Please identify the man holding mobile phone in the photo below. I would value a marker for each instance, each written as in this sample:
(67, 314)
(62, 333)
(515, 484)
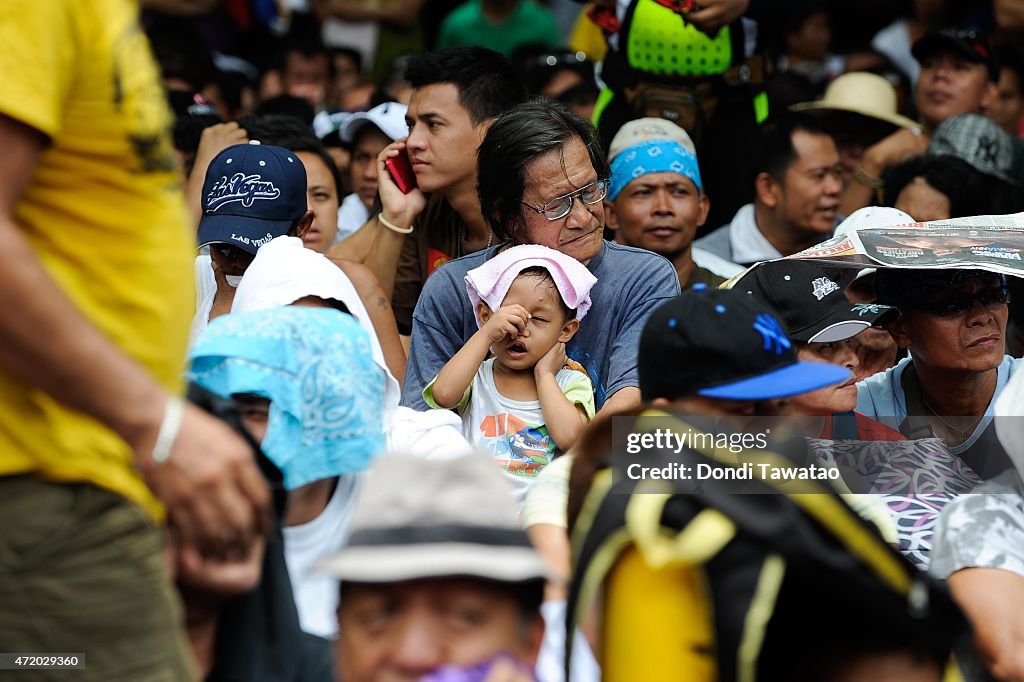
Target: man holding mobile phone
(457, 94)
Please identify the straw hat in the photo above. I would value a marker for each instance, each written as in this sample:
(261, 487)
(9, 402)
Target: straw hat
(861, 93)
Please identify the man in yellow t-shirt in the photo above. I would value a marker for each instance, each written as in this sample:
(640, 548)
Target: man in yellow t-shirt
(95, 268)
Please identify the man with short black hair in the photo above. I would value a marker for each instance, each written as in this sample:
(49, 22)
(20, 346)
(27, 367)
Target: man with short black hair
(958, 76)
(457, 94)
(1007, 107)
(954, 326)
(796, 194)
(307, 70)
(366, 134)
(656, 199)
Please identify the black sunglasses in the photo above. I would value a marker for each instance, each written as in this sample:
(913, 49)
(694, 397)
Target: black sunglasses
(958, 305)
(231, 252)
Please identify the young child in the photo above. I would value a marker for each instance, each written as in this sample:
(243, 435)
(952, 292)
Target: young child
(523, 405)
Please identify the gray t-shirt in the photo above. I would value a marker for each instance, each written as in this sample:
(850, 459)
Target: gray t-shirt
(983, 529)
(631, 283)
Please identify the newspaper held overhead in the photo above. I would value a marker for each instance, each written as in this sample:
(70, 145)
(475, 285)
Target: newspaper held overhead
(994, 243)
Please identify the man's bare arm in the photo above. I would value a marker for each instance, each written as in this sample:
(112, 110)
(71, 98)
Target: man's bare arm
(378, 307)
(211, 485)
(993, 600)
(374, 245)
(624, 401)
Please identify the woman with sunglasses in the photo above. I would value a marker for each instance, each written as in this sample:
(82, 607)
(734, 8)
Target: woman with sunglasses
(954, 326)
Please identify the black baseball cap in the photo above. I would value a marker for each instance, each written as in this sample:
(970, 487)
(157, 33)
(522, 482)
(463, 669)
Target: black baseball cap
(969, 43)
(812, 305)
(724, 344)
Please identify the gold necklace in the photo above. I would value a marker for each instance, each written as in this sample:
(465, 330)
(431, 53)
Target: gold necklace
(964, 432)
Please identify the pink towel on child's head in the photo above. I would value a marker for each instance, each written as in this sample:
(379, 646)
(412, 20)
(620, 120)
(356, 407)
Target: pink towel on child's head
(491, 281)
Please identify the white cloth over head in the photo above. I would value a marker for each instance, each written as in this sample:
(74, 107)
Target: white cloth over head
(491, 281)
(284, 271)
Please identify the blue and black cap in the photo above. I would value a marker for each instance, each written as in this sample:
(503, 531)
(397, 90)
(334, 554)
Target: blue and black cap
(724, 344)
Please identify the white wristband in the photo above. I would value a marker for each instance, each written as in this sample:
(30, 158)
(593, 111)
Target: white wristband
(391, 226)
(174, 412)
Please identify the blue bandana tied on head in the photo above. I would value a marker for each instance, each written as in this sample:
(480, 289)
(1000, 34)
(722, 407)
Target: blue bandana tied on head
(654, 156)
(316, 368)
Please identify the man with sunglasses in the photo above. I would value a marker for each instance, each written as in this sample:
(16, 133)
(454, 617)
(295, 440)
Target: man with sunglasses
(954, 325)
(541, 180)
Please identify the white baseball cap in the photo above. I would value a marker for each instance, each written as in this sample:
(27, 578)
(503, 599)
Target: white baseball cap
(388, 117)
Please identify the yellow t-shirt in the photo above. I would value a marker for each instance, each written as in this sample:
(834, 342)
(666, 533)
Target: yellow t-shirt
(104, 213)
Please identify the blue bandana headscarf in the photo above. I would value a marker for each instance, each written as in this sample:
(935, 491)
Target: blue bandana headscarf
(655, 156)
(316, 368)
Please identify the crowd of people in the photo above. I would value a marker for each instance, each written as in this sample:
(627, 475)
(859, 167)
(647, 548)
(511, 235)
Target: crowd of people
(446, 265)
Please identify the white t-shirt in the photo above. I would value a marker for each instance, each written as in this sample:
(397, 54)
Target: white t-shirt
(352, 215)
(550, 659)
(894, 42)
(513, 431)
(316, 596)
(206, 290)
(717, 265)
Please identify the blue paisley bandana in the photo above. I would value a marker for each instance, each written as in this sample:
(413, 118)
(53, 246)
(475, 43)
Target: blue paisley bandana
(656, 156)
(316, 368)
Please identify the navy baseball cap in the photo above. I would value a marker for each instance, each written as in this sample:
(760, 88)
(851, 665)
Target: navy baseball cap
(724, 344)
(252, 194)
(971, 44)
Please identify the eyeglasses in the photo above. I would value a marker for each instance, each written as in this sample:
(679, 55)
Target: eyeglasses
(559, 207)
(958, 305)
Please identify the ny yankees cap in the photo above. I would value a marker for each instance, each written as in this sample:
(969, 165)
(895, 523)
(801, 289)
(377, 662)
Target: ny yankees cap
(252, 193)
(812, 306)
(724, 344)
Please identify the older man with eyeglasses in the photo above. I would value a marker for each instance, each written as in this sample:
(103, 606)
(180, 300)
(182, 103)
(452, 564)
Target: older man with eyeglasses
(541, 180)
(954, 325)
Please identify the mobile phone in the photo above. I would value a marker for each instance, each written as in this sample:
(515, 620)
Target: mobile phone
(401, 171)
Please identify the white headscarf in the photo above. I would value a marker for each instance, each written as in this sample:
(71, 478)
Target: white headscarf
(284, 271)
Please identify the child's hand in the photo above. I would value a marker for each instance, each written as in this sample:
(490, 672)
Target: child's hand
(509, 320)
(552, 362)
